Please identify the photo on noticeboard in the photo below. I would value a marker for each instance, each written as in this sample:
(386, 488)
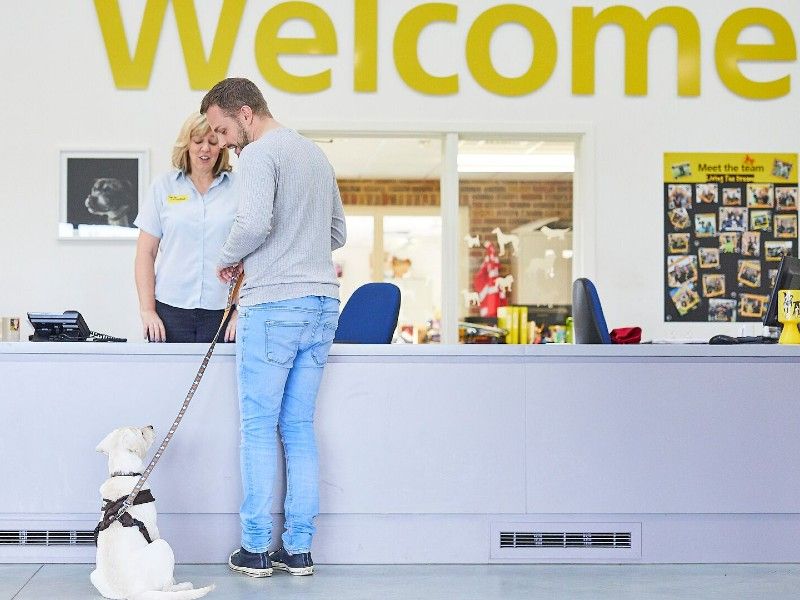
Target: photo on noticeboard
(752, 305)
(708, 258)
(707, 193)
(728, 243)
(726, 232)
(760, 196)
(732, 218)
(678, 243)
(685, 298)
(681, 269)
(713, 285)
(731, 196)
(751, 243)
(749, 273)
(679, 196)
(786, 198)
(722, 310)
(782, 169)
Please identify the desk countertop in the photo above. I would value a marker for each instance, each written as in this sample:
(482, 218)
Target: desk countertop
(417, 353)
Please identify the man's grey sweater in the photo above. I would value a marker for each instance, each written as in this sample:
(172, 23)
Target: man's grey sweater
(290, 218)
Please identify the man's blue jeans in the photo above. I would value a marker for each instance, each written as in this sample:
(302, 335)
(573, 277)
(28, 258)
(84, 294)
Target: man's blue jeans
(281, 350)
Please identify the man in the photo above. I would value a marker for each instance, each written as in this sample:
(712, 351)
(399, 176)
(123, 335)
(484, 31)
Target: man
(290, 218)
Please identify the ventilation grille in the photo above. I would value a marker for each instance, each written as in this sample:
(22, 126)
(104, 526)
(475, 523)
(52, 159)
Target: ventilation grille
(563, 539)
(27, 537)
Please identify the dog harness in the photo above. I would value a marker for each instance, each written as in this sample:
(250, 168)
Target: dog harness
(111, 510)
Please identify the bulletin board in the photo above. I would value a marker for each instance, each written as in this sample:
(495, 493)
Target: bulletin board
(728, 221)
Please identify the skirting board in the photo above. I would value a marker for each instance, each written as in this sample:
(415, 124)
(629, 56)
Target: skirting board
(454, 539)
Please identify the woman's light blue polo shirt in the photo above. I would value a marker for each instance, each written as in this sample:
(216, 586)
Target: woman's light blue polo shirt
(192, 229)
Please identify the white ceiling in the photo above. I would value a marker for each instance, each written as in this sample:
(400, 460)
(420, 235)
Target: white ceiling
(421, 158)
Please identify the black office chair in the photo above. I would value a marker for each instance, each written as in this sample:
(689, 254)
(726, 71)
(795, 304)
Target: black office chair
(587, 314)
(370, 315)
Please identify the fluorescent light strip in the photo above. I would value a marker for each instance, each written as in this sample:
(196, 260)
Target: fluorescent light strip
(516, 163)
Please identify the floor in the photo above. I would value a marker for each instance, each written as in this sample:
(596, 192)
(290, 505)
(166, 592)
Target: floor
(433, 582)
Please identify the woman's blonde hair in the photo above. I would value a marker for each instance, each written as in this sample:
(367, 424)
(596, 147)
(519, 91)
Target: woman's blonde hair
(196, 126)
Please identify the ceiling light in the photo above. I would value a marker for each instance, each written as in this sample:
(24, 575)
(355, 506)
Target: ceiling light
(516, 163)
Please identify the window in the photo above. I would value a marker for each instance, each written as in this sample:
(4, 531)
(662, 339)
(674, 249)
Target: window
(517, 237)
(514, 210)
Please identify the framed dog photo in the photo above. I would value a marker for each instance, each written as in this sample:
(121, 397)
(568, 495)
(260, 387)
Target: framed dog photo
(100, 193)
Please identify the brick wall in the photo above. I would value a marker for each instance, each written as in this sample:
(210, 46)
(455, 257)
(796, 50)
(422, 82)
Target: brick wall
(503, 204)
(509, 204)
(389, 192)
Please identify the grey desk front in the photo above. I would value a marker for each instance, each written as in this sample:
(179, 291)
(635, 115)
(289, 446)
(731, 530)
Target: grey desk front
(428, 453)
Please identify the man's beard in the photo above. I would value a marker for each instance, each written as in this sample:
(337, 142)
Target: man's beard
(242, 139)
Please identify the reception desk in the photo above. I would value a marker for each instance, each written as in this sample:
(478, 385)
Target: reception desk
(460, 454)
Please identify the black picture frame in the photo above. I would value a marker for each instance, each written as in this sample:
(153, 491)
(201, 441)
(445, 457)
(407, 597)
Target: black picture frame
(100, 193)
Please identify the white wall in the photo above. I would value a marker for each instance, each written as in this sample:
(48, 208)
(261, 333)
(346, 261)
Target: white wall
(57, 92)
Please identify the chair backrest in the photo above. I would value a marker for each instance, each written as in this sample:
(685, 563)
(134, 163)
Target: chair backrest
(370, 315)
(587, 314)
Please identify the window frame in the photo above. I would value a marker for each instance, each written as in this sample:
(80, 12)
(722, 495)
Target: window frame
(584, 211)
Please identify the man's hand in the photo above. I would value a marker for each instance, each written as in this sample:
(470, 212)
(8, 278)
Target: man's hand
(230, 330)
(225, 274)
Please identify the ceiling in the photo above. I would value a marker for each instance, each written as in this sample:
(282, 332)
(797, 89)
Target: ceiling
(421, 158)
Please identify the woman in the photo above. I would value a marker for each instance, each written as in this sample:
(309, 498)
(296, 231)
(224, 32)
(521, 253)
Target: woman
(187, 218)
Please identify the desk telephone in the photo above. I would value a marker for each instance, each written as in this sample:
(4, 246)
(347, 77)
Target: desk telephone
(68, 326)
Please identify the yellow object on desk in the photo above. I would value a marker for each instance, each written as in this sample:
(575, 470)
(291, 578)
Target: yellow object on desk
(789, 315)
(514, 319)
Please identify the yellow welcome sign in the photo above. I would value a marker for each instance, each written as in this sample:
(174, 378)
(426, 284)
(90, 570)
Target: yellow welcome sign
(132, 70)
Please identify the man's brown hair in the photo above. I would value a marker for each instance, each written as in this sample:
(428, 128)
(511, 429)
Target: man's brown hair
(232, 94)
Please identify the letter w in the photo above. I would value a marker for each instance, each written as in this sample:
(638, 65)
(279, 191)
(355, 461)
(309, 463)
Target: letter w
(133, 72)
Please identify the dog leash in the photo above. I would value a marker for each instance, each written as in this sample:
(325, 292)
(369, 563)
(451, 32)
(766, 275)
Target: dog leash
(233, 290)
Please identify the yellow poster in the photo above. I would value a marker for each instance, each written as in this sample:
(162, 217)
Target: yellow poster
(729, 219)
(682, 167)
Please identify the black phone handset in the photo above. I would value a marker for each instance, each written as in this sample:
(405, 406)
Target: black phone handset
(68, 326)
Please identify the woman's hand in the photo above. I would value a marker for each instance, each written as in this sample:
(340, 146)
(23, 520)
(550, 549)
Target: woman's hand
(230, 330)
(153, 326)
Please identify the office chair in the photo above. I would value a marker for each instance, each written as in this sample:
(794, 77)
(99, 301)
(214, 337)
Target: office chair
(587, 313)
(370, 315)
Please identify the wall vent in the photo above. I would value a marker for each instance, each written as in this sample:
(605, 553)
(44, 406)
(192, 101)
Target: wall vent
(552, 542)
(44, 537)
(565, 539)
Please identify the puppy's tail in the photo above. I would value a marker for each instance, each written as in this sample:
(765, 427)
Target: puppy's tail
(179, 595)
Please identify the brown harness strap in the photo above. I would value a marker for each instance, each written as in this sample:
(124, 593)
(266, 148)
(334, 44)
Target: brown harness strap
(111, 508)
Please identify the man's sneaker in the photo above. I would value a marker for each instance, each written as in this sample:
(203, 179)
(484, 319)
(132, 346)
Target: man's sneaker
(254, 564)
(296, 564)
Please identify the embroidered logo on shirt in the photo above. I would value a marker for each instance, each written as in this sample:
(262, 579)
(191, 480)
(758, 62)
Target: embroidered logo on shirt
(175, 198)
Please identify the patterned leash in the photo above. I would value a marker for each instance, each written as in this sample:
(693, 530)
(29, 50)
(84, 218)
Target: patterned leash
(233, 290)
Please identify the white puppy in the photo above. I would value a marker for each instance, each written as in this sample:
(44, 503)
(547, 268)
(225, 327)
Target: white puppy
(128, 567)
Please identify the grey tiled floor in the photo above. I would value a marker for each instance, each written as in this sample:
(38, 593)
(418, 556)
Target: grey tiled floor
(451, 582)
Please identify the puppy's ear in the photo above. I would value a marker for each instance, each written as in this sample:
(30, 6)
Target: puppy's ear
(107, 443)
